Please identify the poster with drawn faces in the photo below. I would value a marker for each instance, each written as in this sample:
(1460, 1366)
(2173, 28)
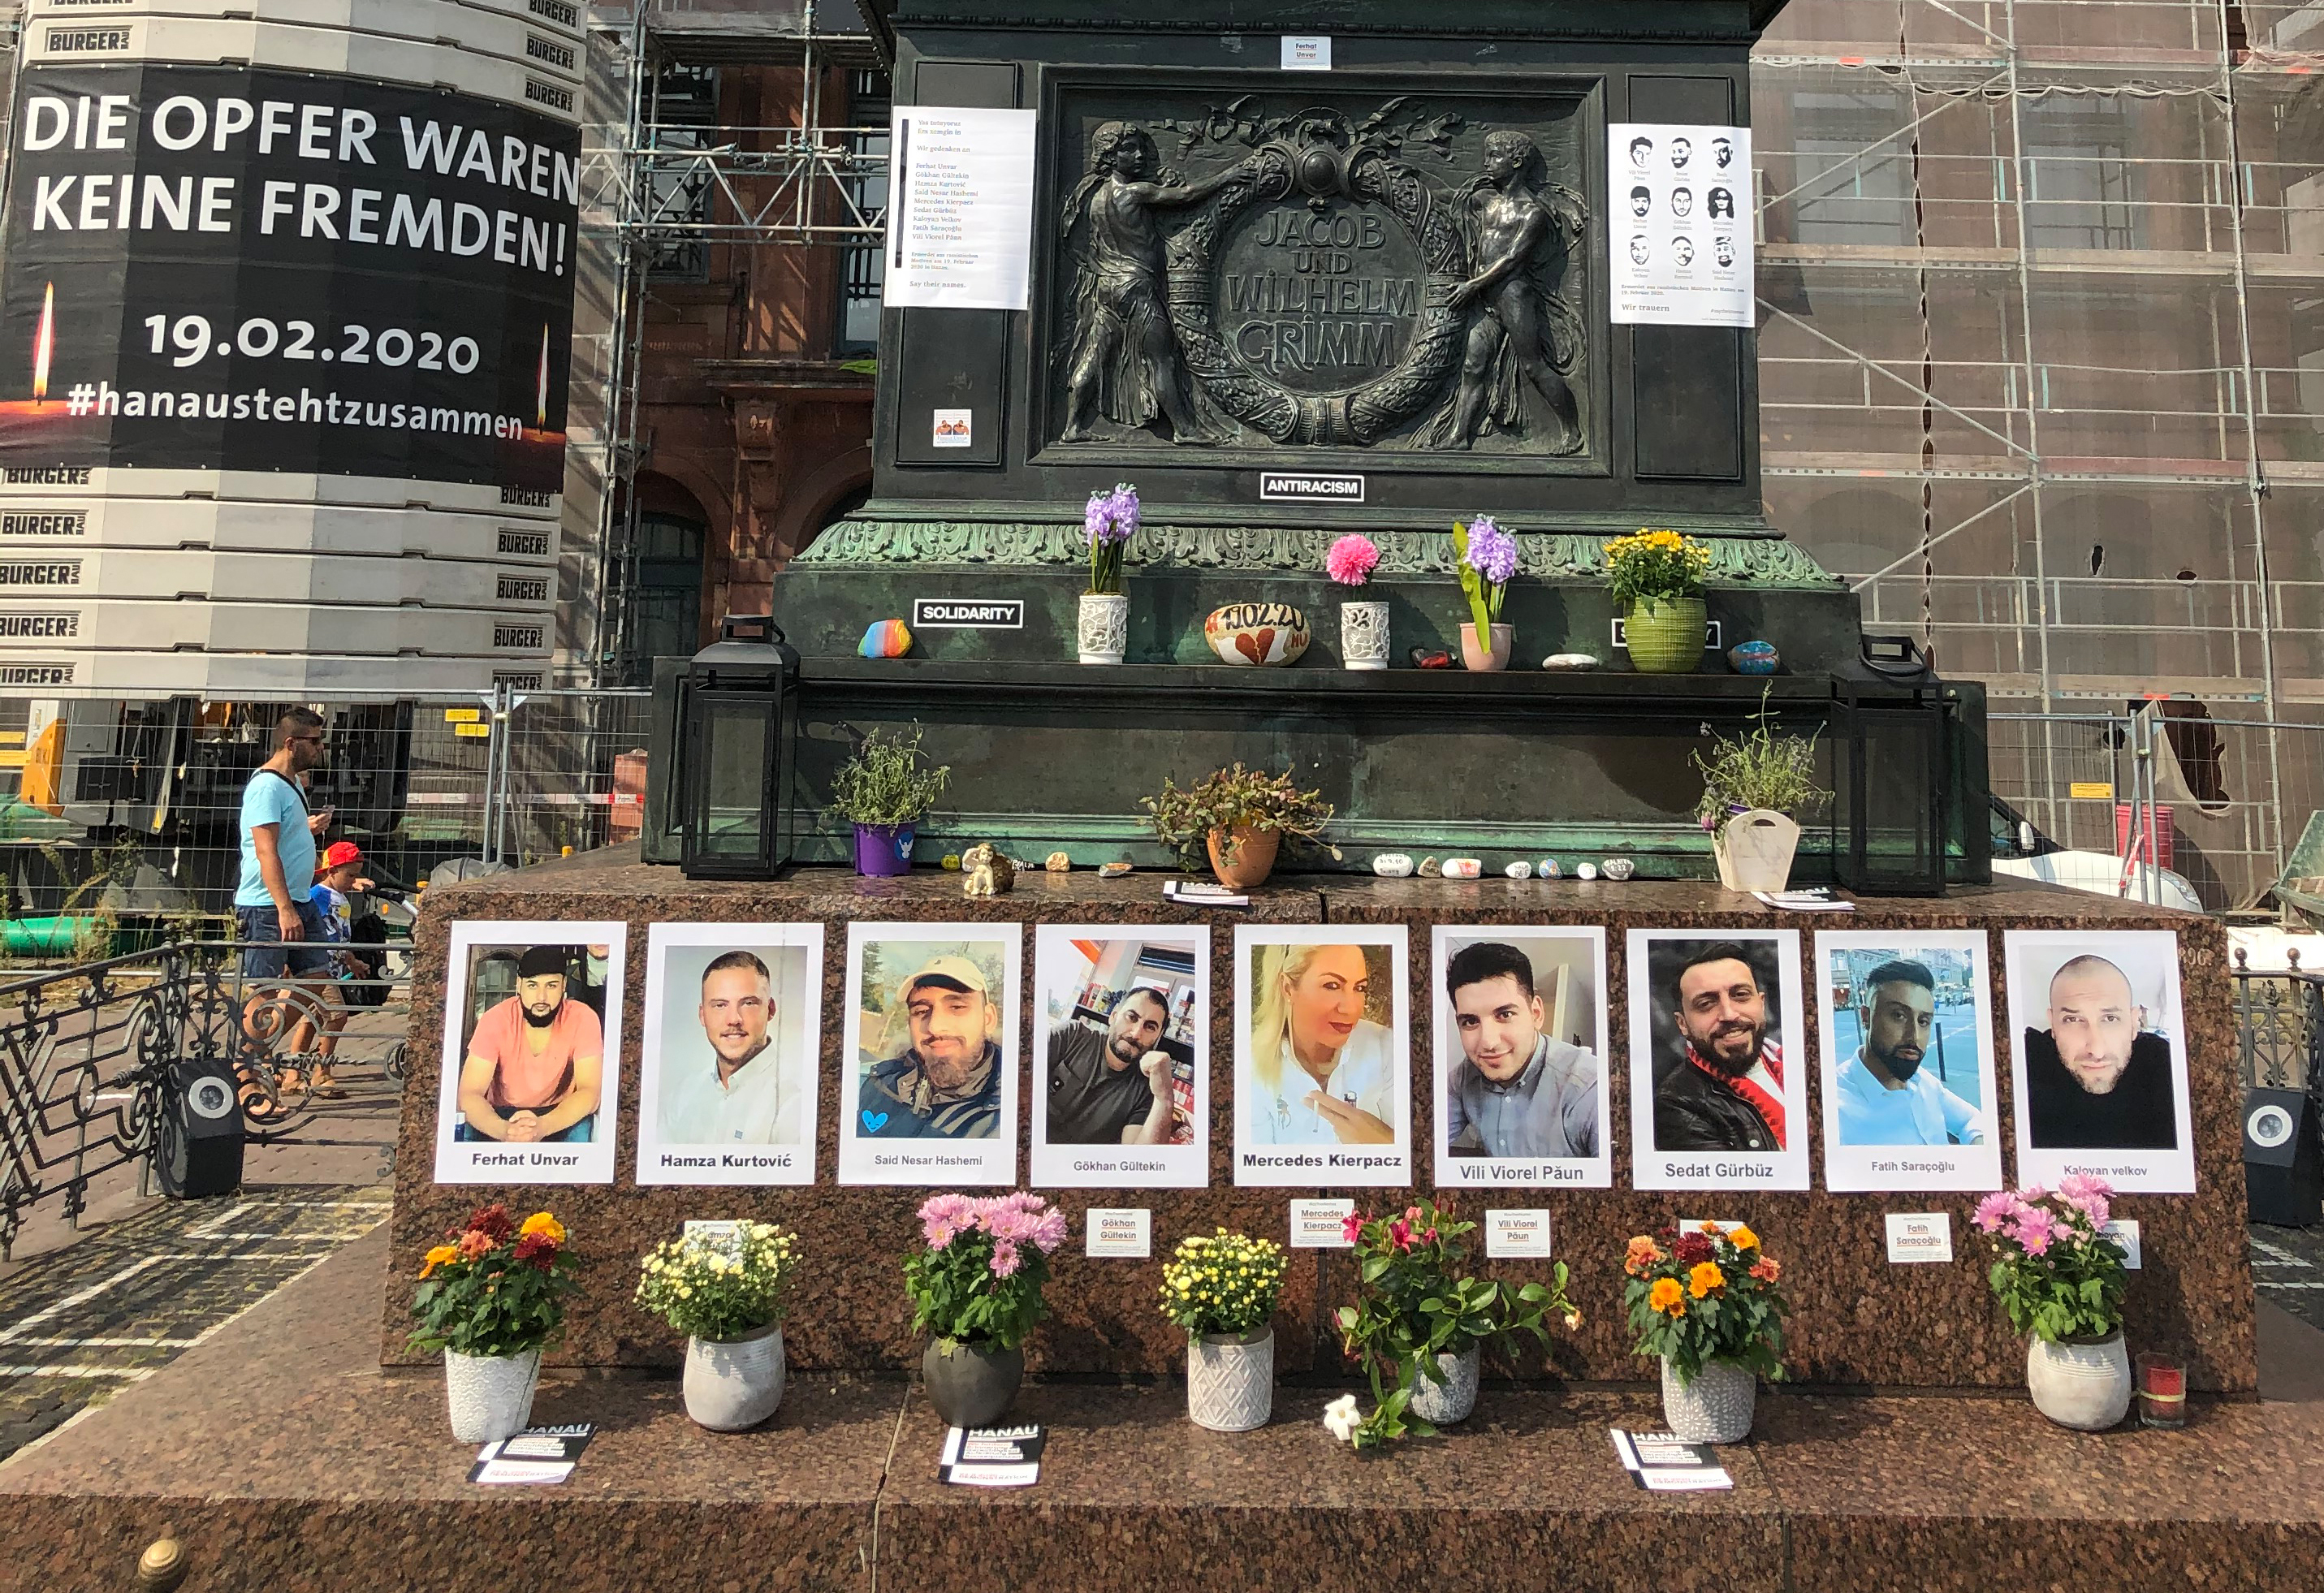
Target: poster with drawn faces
(1682, 249)
(1908, 1061)
(1323, 1064)
(2099, 1052)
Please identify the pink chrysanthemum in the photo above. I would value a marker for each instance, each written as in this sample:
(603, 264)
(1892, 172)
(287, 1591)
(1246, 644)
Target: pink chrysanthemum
(2033, 1228)
(1995, 1210)
(1350, 561)
(1005, 1259)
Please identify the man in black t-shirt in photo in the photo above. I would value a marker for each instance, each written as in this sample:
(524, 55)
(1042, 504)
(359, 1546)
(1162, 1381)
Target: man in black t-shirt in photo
(2096, 1079)
(1113, 1088)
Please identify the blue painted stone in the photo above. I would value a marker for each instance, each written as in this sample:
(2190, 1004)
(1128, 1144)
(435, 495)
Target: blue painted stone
(1754, 657)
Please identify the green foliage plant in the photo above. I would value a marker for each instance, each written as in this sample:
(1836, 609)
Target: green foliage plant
(1234, 798)
(888, 781)
(495, 1286)
(1758, 768)
(721, 1284)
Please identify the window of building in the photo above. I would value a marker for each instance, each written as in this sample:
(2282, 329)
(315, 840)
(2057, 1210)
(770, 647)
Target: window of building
(1851, 192)
(683, 115)
(2077, 188)
(666, 597)
(860, 273)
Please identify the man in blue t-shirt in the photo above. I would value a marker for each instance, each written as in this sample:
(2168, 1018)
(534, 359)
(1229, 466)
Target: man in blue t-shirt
(273, 904)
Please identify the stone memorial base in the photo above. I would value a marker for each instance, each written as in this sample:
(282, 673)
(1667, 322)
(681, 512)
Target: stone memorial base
(283, 1457)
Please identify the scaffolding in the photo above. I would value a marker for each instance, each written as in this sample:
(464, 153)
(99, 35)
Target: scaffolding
(2041, 342)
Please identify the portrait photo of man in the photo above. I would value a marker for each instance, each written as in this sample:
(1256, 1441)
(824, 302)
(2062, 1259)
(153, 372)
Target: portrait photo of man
(1120, 1024)
(1908, 1059)
(2096, 1077)
(533, 1071)
(531, 1059)
(1888, 1096)
(942, 1079)
(2100, 1058)
(732, 1036)
(1722, 1089)
(1517, 1091)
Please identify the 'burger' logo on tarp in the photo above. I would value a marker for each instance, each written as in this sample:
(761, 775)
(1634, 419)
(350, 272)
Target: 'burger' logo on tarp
(59, 572)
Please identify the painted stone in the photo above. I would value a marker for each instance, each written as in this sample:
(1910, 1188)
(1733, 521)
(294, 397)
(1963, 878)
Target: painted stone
(1585, 871)
(1430, 658)
(1519, 870)
(1617, 868)
(1113, 871)
(952, 863)
(885, 638)
(1393, 865)
(1057, 862)
(1463, 868)
(1754, 657)
(1430, 869)
(1570, 663)
(1257, 633)
(1549, 870)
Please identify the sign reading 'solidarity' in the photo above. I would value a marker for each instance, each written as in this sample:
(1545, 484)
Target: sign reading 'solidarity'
(224, 269)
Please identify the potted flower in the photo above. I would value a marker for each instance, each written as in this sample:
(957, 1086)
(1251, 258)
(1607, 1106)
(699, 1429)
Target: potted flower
(1363, 626)
(1657, 577)
(1711, 1308)
(2059, 1277)
(1418, 1329)
(1755, 787)
(884, 790)
(490, 1297)
(1222, 1289)
(1238, 817)
(725, 1285)
(1485, 558)
(976, 1289)
(1108, 523)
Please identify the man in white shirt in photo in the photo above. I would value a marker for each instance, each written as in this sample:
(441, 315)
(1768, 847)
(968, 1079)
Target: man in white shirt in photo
(737, 1095)
(1885, 1097)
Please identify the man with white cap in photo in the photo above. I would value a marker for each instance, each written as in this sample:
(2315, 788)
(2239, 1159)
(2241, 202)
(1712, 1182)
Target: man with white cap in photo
(946, 1085)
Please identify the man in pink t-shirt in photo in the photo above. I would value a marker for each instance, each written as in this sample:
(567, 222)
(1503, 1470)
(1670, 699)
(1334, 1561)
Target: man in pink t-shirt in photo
(535, 1065)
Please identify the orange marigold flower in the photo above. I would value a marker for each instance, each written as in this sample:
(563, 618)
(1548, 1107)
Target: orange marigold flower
(472, 1244)
(1668, 1297)
(442, 1254)
(1642, 1254)
(1743, 1238)
(1767, 1270)
(1705, 1277)
(542, 1222)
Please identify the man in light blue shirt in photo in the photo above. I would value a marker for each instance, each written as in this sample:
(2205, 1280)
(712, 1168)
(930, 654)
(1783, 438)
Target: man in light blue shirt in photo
(1884, 1098)
(1516, 1093)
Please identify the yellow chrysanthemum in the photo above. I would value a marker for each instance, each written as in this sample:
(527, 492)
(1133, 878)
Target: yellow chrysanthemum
(1743, 1238)
(441, 1256)
(1705, 1277)
(543, 1223)
(1668, 1297)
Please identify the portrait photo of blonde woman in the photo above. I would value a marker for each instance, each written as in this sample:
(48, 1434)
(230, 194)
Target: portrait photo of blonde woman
(1322, 1075)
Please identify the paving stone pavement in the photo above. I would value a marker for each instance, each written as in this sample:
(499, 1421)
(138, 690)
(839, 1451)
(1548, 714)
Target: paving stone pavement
(79, 1325)
(2288, 1264)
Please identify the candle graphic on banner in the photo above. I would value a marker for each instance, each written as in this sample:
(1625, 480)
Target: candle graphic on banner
(44, 344)
(540, 412)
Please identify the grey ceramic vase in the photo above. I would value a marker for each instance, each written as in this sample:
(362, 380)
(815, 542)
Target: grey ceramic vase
(1714, 1408)
(1231, 1380)
(735, 1384)
(1440, 1404)
(490, 1396)
(971, 1385)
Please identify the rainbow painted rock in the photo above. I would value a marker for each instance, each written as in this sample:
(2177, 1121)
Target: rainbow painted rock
(1754, 657)
(1257, 633)
(885, 638)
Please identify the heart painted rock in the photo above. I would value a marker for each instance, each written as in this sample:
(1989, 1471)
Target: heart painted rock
(1257, 633)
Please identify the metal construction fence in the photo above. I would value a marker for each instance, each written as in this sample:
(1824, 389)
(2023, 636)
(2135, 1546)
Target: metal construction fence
(135, 819)
(91, 1059)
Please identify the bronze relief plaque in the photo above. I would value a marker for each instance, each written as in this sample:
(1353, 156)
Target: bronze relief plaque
(1385, 274)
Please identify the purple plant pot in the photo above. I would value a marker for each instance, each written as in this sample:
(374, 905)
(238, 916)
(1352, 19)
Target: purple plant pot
(885, 849)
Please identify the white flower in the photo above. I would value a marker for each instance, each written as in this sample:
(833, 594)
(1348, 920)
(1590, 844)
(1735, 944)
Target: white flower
(1342, 1419)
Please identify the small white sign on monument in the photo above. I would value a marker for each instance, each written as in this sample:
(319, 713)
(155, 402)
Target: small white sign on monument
(1321, 1225)
(1516, 1233)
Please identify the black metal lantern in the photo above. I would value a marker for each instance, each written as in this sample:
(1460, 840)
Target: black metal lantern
(741, 731)
(1896, 780)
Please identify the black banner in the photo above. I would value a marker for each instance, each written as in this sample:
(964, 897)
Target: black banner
(213, 267)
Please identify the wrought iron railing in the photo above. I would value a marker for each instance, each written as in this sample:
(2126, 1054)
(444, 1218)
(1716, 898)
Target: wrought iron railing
(2280, 1028)
(89, 1056)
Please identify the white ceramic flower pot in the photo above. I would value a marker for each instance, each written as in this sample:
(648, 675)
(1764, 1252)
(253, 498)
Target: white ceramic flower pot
(1715, 1407)
(1754, 850)
(1231, 1380)
(490, 1396)
(1105, 627)
(1440, 1404)
(732, 1383)
(2085, 1386)
(1363, 635)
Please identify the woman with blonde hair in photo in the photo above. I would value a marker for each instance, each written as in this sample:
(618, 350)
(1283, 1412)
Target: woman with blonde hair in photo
(1319, 1070)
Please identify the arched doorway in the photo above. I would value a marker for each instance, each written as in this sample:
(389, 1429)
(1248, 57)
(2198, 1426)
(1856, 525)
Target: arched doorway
(665, 570)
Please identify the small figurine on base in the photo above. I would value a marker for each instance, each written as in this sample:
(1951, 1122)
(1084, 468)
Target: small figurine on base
(987, 871)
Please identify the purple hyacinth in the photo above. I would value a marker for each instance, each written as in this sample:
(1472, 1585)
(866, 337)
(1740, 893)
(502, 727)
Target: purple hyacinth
(1492, 551)
(1111, 517)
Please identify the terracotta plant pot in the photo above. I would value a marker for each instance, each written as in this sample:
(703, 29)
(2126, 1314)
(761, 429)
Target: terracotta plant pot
(1247, 856)
(1668, 639)
(1754, 850)
(1483, 660)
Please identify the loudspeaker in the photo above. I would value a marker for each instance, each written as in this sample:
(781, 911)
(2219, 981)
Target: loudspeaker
(199, 1138)
(2284, 1165)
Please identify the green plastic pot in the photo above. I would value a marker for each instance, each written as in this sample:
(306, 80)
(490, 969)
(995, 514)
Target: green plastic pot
(1667, 638)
